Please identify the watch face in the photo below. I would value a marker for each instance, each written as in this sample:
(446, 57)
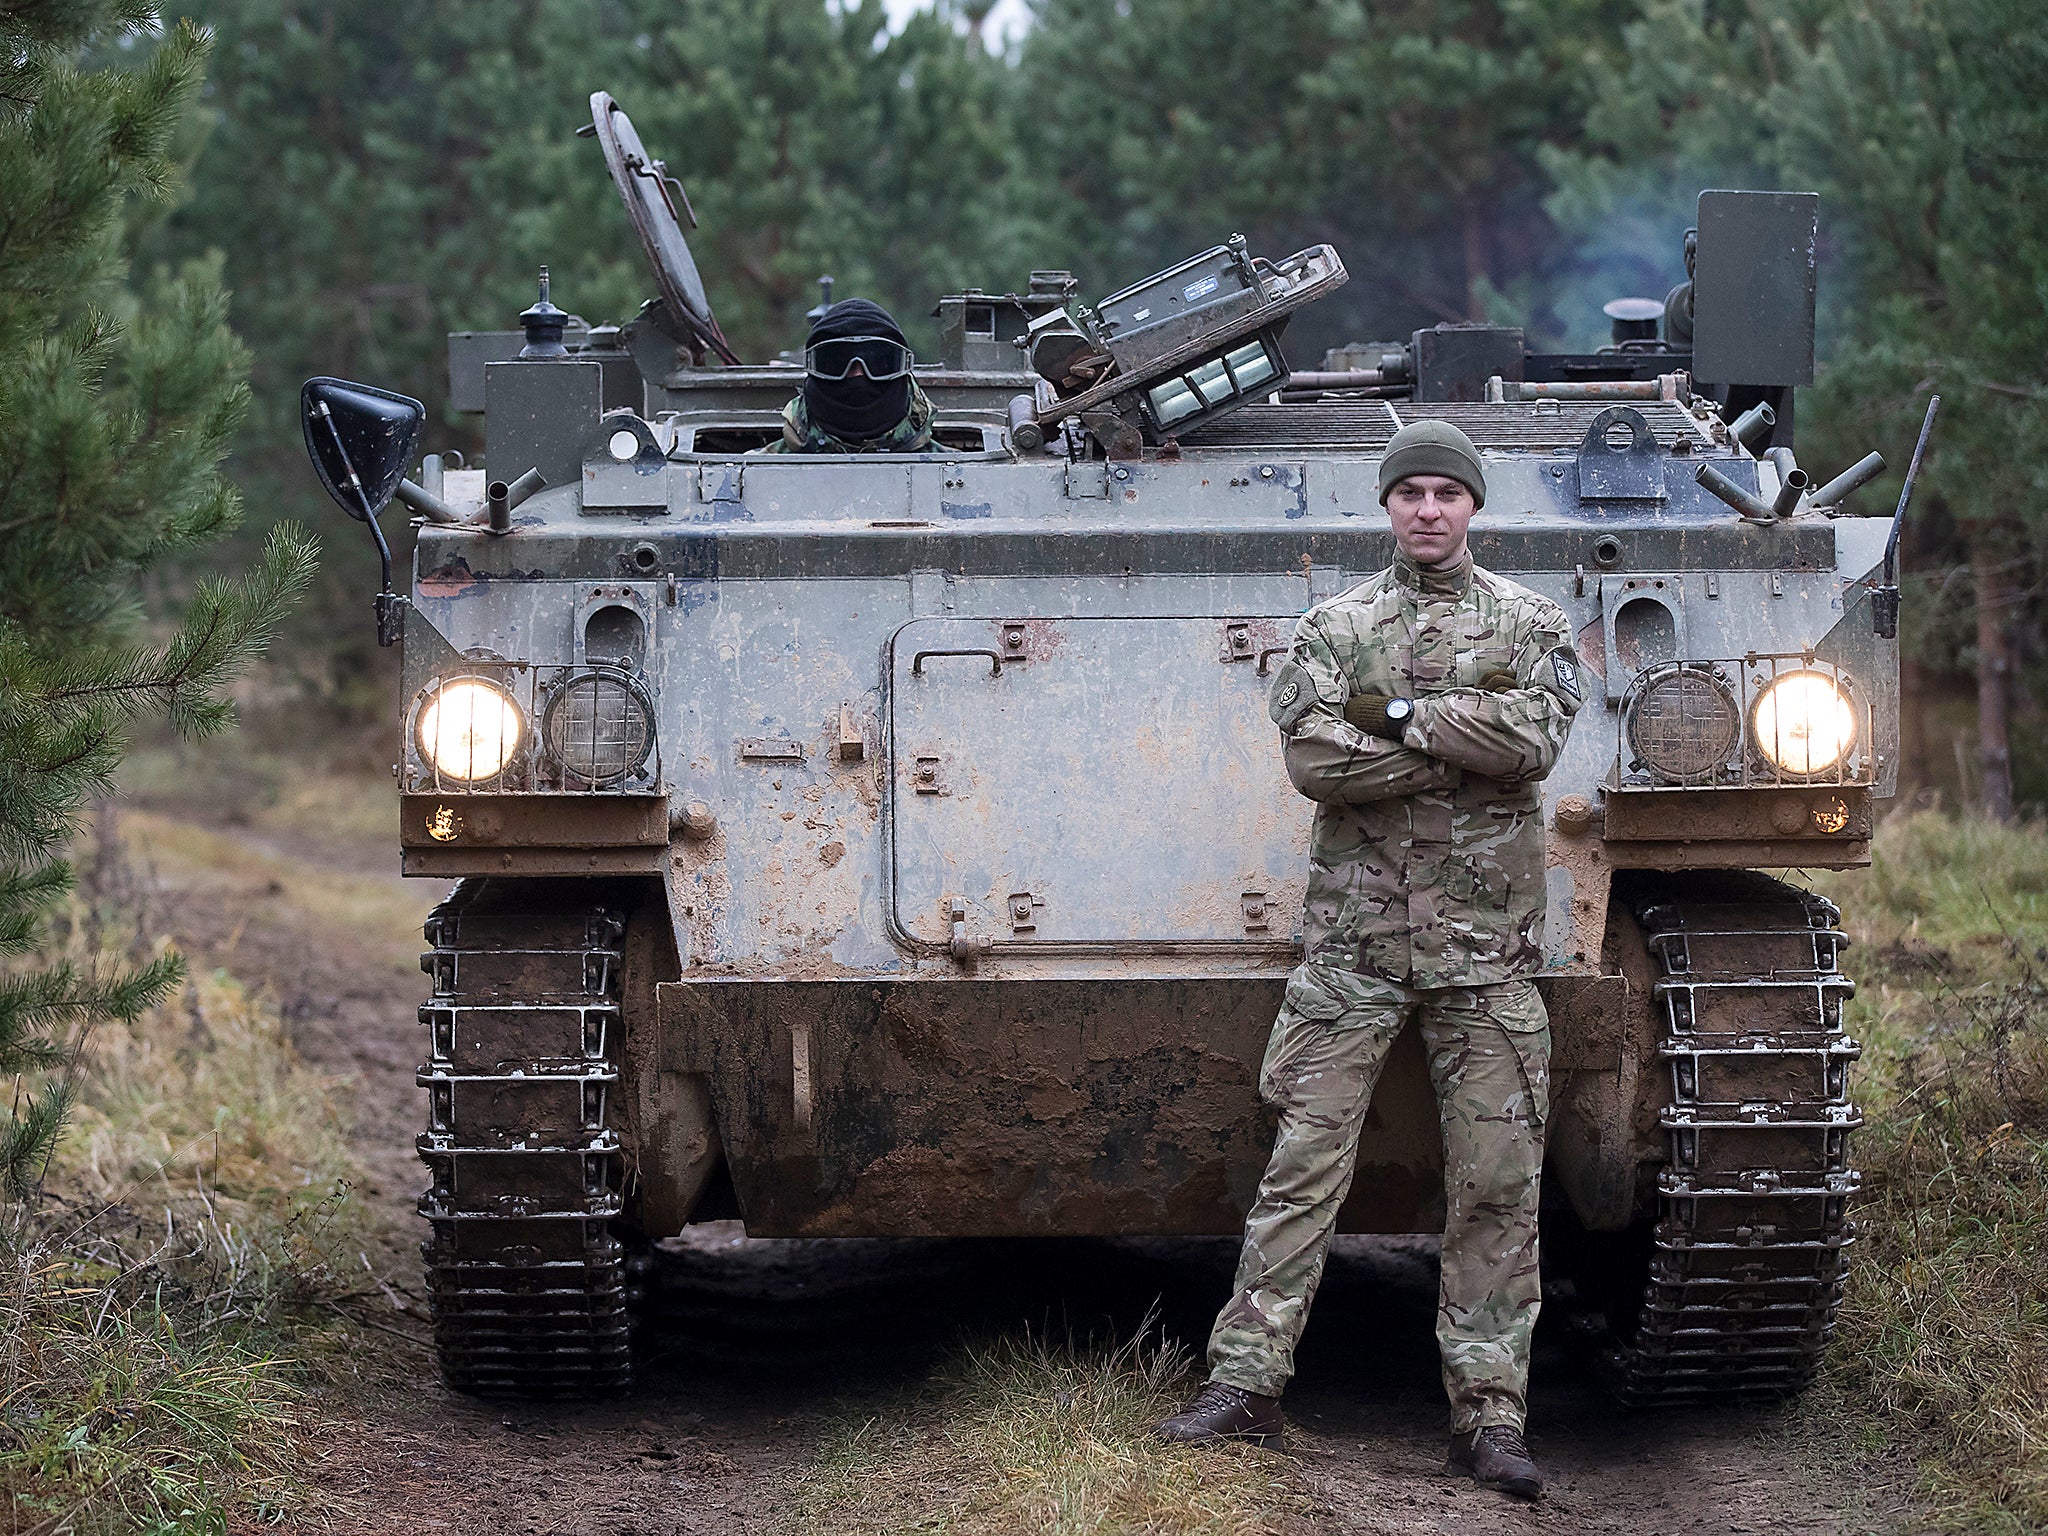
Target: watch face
(1400, 709)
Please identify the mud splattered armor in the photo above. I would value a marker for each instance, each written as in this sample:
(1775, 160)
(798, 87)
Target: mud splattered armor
(1425, 901)
(800, 434)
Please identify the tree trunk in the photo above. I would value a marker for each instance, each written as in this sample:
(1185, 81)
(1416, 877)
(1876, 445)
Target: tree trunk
(1991, 567)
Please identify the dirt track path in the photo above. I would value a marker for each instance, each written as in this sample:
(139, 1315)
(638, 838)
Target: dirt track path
(759, 1342)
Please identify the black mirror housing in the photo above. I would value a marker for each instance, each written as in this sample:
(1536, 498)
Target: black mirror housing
(360, 440)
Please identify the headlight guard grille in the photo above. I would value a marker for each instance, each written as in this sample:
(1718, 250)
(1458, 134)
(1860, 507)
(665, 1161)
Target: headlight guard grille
(1694, 724)
(597, 727)
(541, 693)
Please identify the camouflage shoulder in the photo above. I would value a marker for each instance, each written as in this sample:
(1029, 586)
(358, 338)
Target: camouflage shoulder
(794, 428)
(1360, 595)
(1531, 608)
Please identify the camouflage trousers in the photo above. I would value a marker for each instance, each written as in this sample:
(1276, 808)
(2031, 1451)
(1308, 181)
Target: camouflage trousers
(1489, 1060)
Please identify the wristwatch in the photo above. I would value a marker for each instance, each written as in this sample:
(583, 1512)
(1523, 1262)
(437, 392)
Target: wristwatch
(1399, 713)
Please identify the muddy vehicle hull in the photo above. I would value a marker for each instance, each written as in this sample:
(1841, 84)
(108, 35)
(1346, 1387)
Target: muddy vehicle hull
(898, 844)
(997, 872)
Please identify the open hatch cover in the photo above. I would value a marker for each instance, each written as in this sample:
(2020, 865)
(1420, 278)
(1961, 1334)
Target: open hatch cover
(657, 205)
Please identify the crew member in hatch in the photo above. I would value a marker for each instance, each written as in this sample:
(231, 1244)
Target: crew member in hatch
(858, 394)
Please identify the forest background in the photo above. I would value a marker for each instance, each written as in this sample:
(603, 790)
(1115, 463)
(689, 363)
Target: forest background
(371, 174)
(343, 183)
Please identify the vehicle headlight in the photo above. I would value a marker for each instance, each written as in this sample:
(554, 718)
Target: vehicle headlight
(469, 729)
(1803, 723)
(1684, 723)
(598, 726)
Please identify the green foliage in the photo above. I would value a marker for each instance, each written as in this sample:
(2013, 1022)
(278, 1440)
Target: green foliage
(117, 409)
(1944, 1337)
(1046, 1435)
(1924, 126)
(1407, 134)
(378, 174)
(117, 1421)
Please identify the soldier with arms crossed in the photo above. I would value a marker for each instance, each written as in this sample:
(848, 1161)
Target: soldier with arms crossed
(1421, 711)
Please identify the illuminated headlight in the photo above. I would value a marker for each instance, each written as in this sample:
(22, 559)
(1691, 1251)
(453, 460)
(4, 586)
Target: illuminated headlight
(1803, 723)
(1684, 723)
(598, 727)
(469, 730)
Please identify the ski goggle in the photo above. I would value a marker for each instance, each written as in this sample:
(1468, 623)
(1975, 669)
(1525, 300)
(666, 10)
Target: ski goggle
(880, 357)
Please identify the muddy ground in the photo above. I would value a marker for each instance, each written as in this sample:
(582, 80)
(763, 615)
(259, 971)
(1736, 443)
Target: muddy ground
(758, 1344)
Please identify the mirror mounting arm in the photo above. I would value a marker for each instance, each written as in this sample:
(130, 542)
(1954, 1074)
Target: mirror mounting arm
(1884, 598)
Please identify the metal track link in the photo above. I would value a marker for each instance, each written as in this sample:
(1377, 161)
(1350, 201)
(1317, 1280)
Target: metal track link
(1753, 1231)
(533, 1295)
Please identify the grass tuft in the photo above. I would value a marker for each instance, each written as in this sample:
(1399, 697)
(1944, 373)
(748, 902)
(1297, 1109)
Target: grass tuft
(1943, 1343)
(1051, 1437)
(188, 1228)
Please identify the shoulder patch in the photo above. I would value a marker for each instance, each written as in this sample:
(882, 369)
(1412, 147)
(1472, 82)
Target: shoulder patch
(1293, 695)
(1566, 670)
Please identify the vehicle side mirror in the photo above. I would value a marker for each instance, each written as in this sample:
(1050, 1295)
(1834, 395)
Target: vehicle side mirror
(360, 440)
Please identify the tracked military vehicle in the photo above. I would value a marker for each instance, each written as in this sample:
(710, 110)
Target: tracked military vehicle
(899, 844)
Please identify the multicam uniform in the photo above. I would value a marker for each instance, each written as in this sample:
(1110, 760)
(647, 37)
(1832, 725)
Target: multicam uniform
(1426, 898)
(800, 434)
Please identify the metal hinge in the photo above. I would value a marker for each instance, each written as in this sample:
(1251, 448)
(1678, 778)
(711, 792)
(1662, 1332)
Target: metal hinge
(964, 946)
(1255, 909)
(1022, 904)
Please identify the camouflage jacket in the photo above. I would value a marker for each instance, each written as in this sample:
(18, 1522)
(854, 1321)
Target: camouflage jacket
(1426, 866)
(913, 434)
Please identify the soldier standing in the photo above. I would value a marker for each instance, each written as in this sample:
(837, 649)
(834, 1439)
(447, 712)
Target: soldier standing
(858, 394)
(1421, 711)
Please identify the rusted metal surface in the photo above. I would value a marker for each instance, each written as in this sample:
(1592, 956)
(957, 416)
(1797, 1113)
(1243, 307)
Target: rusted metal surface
(536, 862)
(1012, 1108)
(499, 821)
(1834, 814)
(671, 1140)
(922, 1108)
(1705, 851)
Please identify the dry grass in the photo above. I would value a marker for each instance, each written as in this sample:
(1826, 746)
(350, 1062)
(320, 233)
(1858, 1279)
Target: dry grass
(192, 1224)
(1052, 1438)
(1943, 1348)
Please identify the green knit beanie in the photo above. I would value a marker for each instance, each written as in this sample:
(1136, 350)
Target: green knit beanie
(1432, 448)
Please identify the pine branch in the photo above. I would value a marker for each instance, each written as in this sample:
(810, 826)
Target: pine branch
(29, 1136)
(25, 897)
(36, 1005)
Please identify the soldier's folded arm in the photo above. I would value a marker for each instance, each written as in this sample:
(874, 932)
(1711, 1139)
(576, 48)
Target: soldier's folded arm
(1513, 731)
(1328, 758)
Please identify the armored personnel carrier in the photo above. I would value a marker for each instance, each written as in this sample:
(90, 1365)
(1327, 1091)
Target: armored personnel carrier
(898, 844)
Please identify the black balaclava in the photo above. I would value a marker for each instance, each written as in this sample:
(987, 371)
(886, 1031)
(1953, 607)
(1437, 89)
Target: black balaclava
(856, 409)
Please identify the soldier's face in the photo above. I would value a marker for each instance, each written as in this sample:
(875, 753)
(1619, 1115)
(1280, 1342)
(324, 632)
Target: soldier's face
(1430, 514)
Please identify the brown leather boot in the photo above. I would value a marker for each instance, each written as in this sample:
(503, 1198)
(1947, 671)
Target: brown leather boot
(1224, 1412)
(1495, 1457)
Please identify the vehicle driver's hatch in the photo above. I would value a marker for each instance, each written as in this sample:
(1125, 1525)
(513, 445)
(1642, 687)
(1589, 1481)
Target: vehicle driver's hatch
(1109, 783)
(658, 205)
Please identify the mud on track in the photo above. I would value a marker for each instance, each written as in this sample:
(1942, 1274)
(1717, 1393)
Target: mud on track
(755, 1345)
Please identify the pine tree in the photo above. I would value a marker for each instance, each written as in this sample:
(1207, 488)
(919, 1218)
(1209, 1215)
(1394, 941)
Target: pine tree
(117, 407)
(1924, 126)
